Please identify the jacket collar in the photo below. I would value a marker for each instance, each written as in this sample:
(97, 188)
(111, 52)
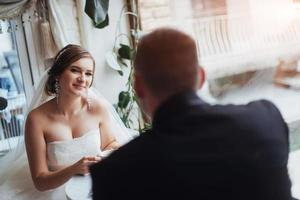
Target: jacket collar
(174, 106)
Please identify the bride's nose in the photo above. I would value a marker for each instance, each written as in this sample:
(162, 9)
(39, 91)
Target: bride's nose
(81, 78)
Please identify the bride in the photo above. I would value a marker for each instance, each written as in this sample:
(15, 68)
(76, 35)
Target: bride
(63, 135)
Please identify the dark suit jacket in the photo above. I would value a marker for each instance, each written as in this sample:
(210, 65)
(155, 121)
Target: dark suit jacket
(199, 151)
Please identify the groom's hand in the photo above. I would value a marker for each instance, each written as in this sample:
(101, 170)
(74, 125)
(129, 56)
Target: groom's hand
(82, 166)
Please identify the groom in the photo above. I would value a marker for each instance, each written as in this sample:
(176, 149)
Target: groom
(194, 150)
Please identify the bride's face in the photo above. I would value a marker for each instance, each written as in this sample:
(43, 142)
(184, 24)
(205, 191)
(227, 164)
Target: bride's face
(77, 77)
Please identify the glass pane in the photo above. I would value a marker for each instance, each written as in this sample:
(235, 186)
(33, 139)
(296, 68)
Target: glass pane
(11, 89)
(248, 53)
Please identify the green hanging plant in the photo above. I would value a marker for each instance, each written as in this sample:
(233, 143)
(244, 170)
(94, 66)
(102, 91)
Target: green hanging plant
(125, 52)
(128, 103)
(119, 58)
(97, 10)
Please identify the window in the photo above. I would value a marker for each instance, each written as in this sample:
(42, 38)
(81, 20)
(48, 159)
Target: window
(206, 8)
(13, 78)
(173, 13)
(248, 53)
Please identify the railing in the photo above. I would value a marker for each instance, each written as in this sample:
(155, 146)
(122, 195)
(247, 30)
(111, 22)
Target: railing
(230, 45)
(11, 123)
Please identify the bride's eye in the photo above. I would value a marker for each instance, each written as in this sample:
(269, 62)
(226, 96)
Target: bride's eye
(89, 74)
(74, 70)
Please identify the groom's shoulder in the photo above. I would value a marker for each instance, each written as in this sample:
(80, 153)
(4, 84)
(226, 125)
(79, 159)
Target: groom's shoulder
(137, 146)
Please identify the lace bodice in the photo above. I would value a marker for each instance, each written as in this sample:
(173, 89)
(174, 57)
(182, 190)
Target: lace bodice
(67, 152)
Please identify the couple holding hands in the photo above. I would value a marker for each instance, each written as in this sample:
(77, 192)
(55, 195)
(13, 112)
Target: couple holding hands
(194, 149)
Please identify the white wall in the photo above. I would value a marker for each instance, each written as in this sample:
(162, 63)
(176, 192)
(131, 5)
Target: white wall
(99, 42)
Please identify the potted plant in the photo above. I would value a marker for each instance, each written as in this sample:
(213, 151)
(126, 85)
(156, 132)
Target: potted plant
(120, 57)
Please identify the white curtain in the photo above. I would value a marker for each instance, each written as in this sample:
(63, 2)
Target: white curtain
(12, 8)
(63, 22)
(85, 25)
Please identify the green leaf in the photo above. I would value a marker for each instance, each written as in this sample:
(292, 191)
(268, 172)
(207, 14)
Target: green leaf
(124, 99)
(97, 10)
(103, 23)
(135, 98)
(147, 127)
(126, 52)
(120, 72)
(116, 107)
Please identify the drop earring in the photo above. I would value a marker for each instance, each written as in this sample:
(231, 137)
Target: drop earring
(57, 89)
(88, 100)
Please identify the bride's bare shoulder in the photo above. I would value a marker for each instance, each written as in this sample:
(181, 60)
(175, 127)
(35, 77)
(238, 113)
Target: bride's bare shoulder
(41, 112)
(99, 105)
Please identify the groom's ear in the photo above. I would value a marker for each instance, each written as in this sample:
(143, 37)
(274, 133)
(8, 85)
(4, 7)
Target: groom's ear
(201, 77)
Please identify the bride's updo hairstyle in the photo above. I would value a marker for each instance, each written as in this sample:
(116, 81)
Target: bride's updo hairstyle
(64, 58)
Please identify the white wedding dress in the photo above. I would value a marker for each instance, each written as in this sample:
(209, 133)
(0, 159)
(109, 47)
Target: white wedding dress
(59, 154)
(15, 178)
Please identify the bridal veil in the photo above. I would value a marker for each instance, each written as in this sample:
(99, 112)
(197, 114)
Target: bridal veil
(16, 159)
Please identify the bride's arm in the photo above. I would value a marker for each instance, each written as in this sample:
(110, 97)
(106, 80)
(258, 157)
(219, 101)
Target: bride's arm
(108, 132)
(108, 140)
(36, 152)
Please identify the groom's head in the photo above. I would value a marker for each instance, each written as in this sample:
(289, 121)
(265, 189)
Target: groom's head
(166, 63)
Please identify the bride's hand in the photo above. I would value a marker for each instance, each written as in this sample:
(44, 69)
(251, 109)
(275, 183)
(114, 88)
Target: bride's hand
(82, 166)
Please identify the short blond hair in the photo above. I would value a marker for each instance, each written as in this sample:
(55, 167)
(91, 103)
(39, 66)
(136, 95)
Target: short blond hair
(167, 61)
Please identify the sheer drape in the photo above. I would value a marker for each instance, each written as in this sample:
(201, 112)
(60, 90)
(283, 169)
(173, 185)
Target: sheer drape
(63, 22)
(85, 25)
(14, 162)
(12, 8)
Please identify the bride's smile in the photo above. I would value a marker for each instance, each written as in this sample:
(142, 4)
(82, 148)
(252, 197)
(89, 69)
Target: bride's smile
(68, 116)
(65, 132)
(78, 77)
